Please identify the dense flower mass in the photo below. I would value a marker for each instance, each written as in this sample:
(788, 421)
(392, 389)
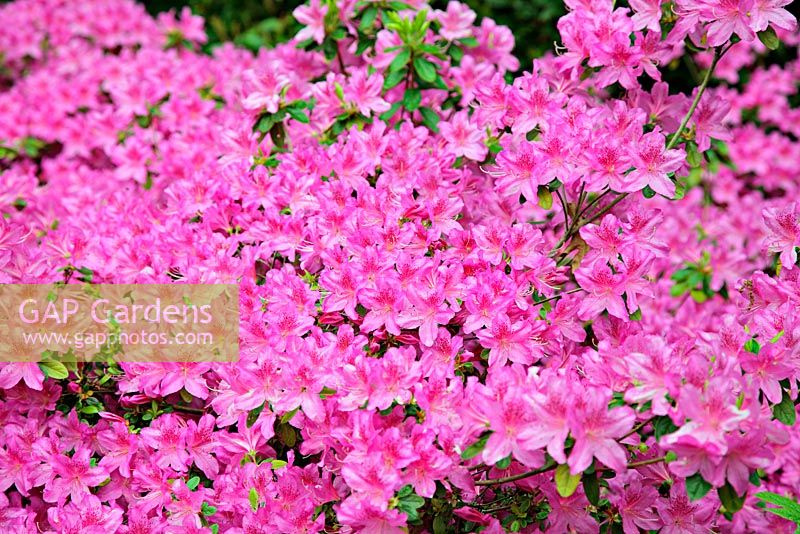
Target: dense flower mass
(471, 300)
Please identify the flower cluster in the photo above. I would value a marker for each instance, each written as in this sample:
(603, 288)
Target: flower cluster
(470, 301)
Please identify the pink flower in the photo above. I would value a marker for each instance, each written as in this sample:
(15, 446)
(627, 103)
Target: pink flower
(384, 303)
(708, 121)
(262, 89)
(680, 516)
(463, 137)
(730, 16)
(74, 476)
(200, 443)
(783, 235)
(596, 429)
(647, 15)
(506, 420)
(428, 311)
(635, 502)
(507, 340)
(653, 164)
(119, 446)
(456, 21)
(766, 12)
(365, 92)
(29, 372)
(312, 17)
(167, 436)
(605, 289)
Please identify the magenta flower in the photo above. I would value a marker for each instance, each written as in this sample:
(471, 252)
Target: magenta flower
(456, 20)
(783, 235)
(730, 16)
(312, 17)
(463, 137)
(605, 289)
(596, 429)
(507, 340)
(73, 477)
(653, 164)
(365, 92)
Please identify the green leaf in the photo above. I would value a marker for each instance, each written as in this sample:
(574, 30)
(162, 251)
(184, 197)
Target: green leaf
(425, 69)
(368, 18)
(409, 504)
(400, 60)
(298, 115)
(252, 415)
(752, 346)
(285, 418)
(364, 44)
(32, 146)
(470, 42)
(253, 497)
(693, 157)
(267, 121)
(393, 79)
(475, 449)
(637, 315)
(591, 487)
(504, 463)
(678, 289)
(430, 118)
(53, 369)
(339, 90)
(787, 508)
(389, 113)
(412, 99)
(545, 197)
(769, 38)
(697, 487)
(433, 50)
(192, 483)
(399, 6)
(785, 411)
(566, 482)
(456, 53)
(648, 192)
(730, 499)
(277, 464)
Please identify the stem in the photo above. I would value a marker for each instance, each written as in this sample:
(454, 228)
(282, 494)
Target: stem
(647, 462)
(340, 60)
(578, 222)
(636, 428)
(603, 211)
(564, 208)
(718, 52)
(526, 474)
(518, 476)
(554, 297)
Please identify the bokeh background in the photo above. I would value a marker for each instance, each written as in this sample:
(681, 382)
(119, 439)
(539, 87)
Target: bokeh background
(257, 23)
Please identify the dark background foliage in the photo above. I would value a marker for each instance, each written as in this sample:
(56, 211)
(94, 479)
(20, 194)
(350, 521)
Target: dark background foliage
(255, 23)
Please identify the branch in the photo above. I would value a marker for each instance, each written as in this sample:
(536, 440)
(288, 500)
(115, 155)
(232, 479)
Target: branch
(718, 52)
(518, 476)
(577, 222)
(545, 469)
(554, 297)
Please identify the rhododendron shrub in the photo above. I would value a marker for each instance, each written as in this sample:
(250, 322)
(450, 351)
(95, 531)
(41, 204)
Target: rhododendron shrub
(471, 300)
